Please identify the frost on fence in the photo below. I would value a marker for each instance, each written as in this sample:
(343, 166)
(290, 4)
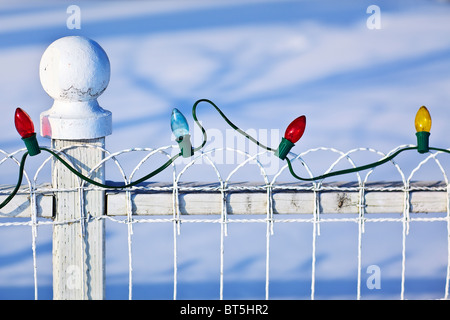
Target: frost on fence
(268, 199)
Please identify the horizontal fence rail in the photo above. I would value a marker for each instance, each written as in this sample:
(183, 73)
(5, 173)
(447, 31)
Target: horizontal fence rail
(247, 198)
(273, 201)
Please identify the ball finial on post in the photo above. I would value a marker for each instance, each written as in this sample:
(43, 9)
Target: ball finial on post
(75, 71)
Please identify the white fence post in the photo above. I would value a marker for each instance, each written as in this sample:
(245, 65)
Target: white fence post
(74, 71)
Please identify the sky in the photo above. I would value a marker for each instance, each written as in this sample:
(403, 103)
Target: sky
(359, 82)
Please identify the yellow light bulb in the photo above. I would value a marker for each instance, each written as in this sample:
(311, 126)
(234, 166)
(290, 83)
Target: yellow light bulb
(423, 120)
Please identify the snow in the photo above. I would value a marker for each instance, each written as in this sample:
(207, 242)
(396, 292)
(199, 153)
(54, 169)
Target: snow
(264, 63)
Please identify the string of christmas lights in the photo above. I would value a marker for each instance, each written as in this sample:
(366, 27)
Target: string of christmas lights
(180, 129)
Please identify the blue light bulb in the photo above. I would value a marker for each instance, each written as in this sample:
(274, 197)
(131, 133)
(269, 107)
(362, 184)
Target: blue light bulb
(178, 124)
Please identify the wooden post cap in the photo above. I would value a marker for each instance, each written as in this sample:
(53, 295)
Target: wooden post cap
(74, 71)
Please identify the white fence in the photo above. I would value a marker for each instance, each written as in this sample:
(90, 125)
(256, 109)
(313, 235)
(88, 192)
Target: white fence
(270, 202)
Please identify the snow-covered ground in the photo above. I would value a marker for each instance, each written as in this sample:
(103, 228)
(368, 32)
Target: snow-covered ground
(264, 63)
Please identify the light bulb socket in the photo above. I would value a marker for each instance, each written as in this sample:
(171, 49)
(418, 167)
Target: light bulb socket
(184, 142)
(32, 145)
(284, 148)
(423, 138)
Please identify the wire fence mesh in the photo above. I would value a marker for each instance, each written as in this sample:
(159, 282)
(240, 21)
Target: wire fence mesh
(262, 206)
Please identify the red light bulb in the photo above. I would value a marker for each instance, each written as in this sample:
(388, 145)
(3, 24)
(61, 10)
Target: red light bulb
(25, 127)
(296, 129)
(293, 133)
(23, 123)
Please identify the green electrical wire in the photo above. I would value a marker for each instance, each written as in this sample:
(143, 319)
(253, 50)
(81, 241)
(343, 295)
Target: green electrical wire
(439, 149)
(351, 170)
(78, 174)
(231, 124)
(19, 181)
(356, 169)
(335, 173)
(171, 160)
